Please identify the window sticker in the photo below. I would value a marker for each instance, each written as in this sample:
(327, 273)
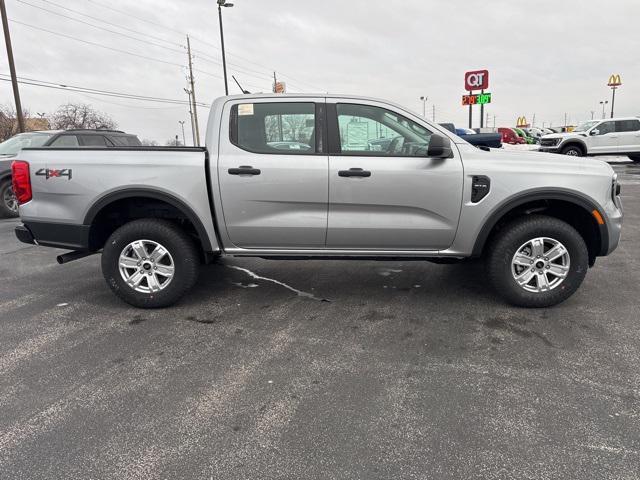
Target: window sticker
(245, 109)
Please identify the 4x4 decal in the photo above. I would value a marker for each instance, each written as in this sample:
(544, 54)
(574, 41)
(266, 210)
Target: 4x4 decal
(53, 173)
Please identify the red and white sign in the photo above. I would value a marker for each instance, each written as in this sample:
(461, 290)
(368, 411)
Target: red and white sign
(476, 80)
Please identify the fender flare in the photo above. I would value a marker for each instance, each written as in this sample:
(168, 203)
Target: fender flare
(509, 204)
(571, 141)
(155, 195)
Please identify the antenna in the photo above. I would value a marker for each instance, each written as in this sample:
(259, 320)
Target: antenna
(240, 86)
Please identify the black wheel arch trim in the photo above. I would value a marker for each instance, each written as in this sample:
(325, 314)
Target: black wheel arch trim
(573, 141)
(154, 194)
(536, 195)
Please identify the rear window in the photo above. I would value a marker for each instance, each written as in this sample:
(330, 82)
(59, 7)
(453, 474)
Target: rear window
(94, 141)
(281, 128)
(125, 140)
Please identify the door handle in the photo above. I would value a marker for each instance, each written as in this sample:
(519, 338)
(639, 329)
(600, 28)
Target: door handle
(244, 170)
(354, 172)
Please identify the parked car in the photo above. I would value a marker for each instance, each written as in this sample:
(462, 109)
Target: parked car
(534, 132)
(157, 213)
(51, 138)
(485, 140)
(8, 149)
(612, 136)
(522, 134)
(510, 136)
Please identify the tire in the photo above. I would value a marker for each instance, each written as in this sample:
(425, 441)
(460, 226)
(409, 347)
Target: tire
(157, 284)
(517, 237)
(8, 202)
(634, 158)
(573, 150)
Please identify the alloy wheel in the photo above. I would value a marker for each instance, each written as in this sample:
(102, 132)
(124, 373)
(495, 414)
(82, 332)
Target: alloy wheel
(540, 264)
(146, 266)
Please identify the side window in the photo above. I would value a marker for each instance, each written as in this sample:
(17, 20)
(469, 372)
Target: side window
(375, 131)
(65, 141)
(94, 141)
(606, 127)
(627, 125)
(279, 127)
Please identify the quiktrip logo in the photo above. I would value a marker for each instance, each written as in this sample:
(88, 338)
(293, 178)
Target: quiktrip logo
(476, 80)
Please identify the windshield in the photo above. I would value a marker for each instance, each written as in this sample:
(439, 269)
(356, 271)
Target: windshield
(584, 126)
(23, 140)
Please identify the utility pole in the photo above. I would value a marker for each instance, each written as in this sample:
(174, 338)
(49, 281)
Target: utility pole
(565, 121)
(193, 130)
(275, 82)
(424, 106)
(194, 108)
(494, 122)
(434, 113)
(486, 121)
(184, 140)
(12, 67)
(533, 121)
(603, 103)
(592, 114)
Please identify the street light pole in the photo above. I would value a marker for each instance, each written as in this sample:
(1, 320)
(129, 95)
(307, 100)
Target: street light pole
(604, 103)
(424, 106)
(223, 3)
(184, 140)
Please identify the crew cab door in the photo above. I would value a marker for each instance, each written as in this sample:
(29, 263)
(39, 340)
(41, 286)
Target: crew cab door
(628, 132)
(273, 174)
(384, 192)
(605, 140)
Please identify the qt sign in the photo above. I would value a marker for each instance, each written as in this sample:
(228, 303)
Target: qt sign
(476, 80)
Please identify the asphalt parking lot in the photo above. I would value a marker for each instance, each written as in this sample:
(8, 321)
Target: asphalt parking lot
(369, 370)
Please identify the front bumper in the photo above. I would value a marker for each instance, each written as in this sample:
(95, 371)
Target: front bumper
(549, 149)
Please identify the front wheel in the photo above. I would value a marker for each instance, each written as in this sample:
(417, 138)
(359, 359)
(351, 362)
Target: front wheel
(572, 151)
(537, 261)
(8, 200)
(150, 263)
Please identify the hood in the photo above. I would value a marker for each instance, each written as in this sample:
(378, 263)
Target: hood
(550, 161)
(565, 135)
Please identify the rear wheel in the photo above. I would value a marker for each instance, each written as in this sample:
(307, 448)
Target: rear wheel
(8, 200)
(150, 263)
(537, 261)
(573, 151)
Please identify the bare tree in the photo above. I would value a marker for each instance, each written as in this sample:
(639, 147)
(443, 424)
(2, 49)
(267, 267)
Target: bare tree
(9, 124)
(149, 143)
(80, 115)
(174, 142)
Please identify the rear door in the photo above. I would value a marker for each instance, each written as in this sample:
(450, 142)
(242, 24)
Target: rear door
(606, 139)
(273, 173)
(628, 132)
(384, 192)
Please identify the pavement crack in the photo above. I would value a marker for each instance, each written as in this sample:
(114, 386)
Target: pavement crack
(300, 293)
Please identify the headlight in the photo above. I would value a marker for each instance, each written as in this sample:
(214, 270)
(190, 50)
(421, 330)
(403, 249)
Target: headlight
(615, 188)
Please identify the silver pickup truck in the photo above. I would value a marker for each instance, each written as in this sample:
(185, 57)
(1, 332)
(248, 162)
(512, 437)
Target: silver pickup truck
(302, 176)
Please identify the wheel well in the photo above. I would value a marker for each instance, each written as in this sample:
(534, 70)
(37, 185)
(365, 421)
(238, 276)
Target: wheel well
(575, 215)
(575, 143)
(121, 211)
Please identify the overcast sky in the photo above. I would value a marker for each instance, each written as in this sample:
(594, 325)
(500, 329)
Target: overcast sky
(545, 58)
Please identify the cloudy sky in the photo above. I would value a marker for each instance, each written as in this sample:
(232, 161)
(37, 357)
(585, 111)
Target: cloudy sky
(545, 58)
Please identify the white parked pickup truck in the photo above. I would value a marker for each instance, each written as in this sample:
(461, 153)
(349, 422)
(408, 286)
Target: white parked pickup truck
(320, 176)
(614, 136)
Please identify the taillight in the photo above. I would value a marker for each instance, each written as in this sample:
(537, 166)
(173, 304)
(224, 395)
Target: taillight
(21, 181)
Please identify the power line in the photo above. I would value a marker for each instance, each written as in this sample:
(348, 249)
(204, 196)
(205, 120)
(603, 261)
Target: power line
(112, 24)
(96, 44)
(269, 69)
(101, 28)
(94, 91)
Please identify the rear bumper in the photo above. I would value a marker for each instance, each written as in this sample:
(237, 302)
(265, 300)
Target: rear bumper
(58, 235)
(25, 235)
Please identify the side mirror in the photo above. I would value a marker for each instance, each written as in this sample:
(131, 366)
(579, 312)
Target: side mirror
(595, 131)
(439, 147)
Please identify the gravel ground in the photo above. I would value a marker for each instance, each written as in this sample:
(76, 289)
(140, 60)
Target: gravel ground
(411, 370)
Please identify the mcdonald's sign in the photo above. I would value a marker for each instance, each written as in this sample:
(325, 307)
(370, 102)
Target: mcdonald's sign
(614, 81)
(522, 122)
